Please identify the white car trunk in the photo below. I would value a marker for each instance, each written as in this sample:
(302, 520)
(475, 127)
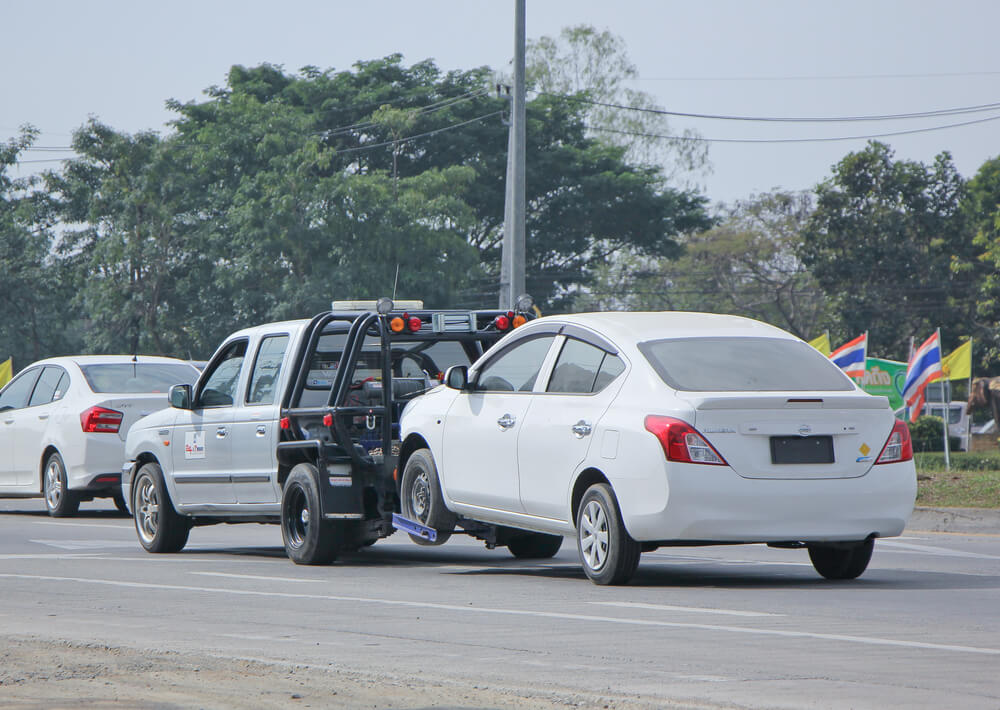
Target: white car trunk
(133, 407)
(794, 435)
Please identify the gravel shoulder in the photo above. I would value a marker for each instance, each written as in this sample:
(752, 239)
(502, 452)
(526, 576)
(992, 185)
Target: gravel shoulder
(38, 674)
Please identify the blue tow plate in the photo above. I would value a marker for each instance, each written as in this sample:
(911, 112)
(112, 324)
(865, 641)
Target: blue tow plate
(414, 528)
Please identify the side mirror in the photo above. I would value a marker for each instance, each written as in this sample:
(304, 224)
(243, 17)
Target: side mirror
(457, 377)
(180, 396)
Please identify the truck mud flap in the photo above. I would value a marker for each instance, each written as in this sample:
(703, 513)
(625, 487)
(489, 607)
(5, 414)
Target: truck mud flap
(341, 496)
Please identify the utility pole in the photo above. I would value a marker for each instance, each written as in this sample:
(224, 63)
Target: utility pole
(513, 253)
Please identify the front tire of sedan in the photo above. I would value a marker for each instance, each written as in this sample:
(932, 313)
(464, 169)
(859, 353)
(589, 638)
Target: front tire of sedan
(608, 553)
(309, 538)
(421, 498)
(60, 501)
(158, 525)
(841, 562)
(534, 546)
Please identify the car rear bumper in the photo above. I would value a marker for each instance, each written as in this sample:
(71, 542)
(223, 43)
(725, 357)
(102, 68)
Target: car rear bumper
(92, 459)
(714, 504)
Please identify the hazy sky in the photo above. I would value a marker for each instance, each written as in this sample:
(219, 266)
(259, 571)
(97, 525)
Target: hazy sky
(119, 61)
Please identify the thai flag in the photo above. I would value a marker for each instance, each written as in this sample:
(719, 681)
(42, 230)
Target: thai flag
(850, 357)
(924, 367)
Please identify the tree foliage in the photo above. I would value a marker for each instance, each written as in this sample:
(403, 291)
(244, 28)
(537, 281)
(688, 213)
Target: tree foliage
(881, 243)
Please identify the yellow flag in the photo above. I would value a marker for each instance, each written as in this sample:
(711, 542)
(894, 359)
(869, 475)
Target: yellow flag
(958, 365)
(6, 371)
(822, 343)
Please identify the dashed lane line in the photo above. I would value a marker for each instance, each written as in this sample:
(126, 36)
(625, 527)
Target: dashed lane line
(529, 613)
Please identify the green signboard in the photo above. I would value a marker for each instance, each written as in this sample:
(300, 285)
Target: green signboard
(886, 378)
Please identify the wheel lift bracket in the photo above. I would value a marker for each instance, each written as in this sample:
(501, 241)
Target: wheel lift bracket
(413, 527)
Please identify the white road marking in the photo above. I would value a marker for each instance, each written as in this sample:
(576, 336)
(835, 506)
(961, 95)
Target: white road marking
(694, 609)
(84, 544)
(52, 556)
(865, 640)
(260, 577)
(126, 525)
(894, 546)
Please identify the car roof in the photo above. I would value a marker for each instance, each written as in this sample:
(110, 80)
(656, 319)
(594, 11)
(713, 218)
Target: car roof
(290, 325)
(109, 360)
(637, 326)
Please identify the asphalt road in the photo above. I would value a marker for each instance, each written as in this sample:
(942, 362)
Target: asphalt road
(741, 626)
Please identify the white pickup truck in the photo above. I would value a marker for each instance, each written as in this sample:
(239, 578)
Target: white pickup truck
(297, 423)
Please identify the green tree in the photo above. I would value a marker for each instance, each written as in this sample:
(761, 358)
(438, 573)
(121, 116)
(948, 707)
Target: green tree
(594, 68)
(34, 288)
(881, 243)
(982, 208)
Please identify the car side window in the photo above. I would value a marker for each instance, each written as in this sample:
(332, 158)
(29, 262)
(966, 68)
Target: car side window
(264, 376)
(48, 387)
(583, 368)
(15, 395)
(220, 385)
(516, 369)
(576, 369)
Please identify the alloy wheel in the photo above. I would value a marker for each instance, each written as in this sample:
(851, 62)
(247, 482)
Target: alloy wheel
(594, 535)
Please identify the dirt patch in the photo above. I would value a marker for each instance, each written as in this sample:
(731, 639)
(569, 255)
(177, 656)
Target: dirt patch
(53, 675)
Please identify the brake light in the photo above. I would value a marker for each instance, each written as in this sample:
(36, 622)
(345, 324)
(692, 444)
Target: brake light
(327, 420)
(414, 323)
(502, 322)
(899, 446)
(101, 420)
(681, 442)
(285, 423)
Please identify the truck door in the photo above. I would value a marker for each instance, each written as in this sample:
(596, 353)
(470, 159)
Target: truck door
(255, 424)
(202, 445)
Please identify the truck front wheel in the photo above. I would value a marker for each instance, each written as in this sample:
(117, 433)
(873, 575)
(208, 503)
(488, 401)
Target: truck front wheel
(308, 538)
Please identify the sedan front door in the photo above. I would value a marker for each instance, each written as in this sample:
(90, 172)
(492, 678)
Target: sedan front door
(479, 449)
(13, 399)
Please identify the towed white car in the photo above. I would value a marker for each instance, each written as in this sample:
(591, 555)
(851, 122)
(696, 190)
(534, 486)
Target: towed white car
(632, 431)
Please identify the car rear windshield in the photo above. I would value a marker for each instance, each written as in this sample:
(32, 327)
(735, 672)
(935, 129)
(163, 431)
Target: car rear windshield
(743, 365)
(127, 378)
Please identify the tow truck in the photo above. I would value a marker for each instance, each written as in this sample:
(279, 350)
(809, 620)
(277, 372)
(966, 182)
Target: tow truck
(297, 423)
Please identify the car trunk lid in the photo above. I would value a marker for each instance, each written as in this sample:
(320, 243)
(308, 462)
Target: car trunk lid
(794, 435)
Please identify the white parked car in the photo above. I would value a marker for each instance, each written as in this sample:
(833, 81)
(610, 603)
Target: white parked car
(632, 431)
(63, 423)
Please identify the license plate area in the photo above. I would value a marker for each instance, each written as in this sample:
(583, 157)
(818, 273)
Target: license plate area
(801, 449)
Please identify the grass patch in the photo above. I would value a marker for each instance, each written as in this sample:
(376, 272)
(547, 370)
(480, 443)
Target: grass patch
(973, 482)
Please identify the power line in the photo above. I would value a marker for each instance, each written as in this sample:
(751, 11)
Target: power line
(785, 119)
(638, 134)
(828, 77)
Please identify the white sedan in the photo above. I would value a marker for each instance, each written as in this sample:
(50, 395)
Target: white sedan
(632, 431)
(63, 423)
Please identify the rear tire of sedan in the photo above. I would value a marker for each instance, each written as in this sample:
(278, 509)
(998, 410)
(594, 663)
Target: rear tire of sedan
(60, 501)
(608, 553)
(537, 546)
(160, 528)
(309, 538)
(421, 498)
(841, 562)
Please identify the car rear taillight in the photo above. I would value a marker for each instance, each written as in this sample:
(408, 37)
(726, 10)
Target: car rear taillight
(899, 446)
(101, 420)
(681, 442)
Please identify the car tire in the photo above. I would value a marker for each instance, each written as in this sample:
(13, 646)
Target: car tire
(534, 546)
(421, 498)
(159, 527)
(841, 562)
(60, 501)
(608, 553)
(309, 538)
(119, 498)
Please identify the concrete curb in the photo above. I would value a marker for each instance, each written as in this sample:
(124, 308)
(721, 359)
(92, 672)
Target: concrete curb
(955, 520)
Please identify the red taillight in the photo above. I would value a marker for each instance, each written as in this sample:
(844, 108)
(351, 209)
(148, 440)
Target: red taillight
(899, 446)
(681, 442)
(502, 322)
(285, 423)
(414, 324)
(101, 420)
(327, 420)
